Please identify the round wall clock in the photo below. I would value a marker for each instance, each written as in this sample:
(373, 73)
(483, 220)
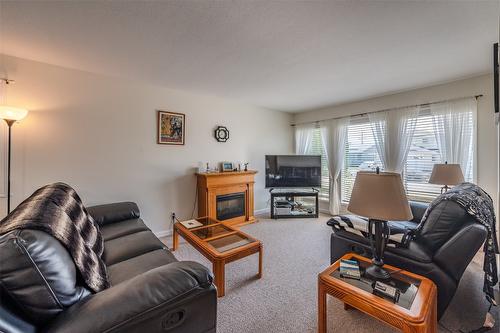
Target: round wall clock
(221, 134)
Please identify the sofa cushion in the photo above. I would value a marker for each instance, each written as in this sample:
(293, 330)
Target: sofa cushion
(127, 227)
(415, 251)
(115, 212)
(129, 246)
(38, 274)
(132, 267)
(359, 226)
(401, 227)
(418, 209)
(444, 221)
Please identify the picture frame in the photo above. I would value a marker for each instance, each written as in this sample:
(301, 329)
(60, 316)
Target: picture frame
(171, 128)
(227, 166)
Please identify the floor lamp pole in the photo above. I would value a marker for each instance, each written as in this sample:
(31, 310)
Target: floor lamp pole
(9, 124)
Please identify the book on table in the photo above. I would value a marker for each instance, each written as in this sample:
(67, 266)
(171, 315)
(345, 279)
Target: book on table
(191, 224)
(349, 269)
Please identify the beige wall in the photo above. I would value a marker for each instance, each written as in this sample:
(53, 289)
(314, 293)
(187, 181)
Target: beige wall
(99, 135)
(487, 143)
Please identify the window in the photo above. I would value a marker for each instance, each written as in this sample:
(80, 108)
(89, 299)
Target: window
(360, 153)
(318, 149)
(423, 154)
(455, 119)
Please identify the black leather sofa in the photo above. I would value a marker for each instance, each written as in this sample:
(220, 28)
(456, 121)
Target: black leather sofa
(150, 290)
(442, 250)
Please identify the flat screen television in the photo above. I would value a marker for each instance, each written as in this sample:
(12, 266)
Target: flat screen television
(293, 171)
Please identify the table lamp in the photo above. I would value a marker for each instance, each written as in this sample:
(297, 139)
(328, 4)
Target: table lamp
(381, 197)
(10, 115)
(446, 174)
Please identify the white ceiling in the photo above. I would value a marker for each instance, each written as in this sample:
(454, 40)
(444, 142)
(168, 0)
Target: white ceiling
(284, 55)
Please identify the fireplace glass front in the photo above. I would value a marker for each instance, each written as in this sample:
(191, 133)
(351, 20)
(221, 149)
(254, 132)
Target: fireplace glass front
(230, 206)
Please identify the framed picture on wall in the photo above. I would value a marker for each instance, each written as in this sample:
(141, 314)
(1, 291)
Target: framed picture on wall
(171, 128)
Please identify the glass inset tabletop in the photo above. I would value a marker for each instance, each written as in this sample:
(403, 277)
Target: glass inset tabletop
(407, 286)
(229, 242)
(206, 221)
(212, 231)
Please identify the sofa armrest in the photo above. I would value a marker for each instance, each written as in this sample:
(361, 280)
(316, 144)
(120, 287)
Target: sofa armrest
(455, 255)
(414, 251)
(173, 298)
(115, 212)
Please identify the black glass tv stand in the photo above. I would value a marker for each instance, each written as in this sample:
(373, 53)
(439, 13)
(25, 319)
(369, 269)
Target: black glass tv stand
(296, 203)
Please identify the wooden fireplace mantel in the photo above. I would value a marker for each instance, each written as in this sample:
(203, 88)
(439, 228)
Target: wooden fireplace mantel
(210, 185)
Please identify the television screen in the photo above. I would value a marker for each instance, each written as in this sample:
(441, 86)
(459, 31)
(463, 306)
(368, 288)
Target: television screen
(293, 171)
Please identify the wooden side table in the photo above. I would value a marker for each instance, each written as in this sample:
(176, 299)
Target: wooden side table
(415, 311)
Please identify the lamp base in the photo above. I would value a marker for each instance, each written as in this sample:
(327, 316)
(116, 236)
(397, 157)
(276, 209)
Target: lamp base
(377, 273)
(444, 189)
(382, 232)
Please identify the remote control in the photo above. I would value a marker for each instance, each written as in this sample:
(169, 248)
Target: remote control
(386, 290)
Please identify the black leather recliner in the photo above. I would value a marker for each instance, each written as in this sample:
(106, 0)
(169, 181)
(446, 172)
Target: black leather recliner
(441, 252)
(150, 290)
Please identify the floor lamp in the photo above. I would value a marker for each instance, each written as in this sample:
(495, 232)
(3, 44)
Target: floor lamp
(10, 115)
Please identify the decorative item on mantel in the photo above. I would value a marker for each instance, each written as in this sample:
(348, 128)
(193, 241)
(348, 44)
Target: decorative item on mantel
(227, 166)
(204, 167)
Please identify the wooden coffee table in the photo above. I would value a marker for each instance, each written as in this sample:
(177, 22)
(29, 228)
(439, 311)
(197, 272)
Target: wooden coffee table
(220, 243)
(415, 311)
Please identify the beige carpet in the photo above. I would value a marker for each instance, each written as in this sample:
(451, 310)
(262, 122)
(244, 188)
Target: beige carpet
(284, 300)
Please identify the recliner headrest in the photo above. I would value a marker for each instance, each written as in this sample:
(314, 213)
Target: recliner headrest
(115, 212)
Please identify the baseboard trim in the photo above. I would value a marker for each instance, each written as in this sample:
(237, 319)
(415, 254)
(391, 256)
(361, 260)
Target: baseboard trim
(325, 211)
(265, 211)
(261, 211)
(163, 233)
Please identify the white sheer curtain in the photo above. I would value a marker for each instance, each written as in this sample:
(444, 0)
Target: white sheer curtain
(393, 132)
(303, 138)
(451, 121)
(334, 135)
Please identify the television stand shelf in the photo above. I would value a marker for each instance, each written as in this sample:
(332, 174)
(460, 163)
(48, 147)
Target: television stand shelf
(294, 204)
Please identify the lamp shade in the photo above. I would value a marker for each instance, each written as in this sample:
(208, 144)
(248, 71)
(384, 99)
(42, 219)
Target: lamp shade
(446, 174)
(380, 196)
(12, 113)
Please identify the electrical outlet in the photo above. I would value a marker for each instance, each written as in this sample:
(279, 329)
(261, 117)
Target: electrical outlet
(173, 217)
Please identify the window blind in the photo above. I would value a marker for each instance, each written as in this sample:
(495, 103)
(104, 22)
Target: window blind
(317, 148)
(423, 154)
(361, 154)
